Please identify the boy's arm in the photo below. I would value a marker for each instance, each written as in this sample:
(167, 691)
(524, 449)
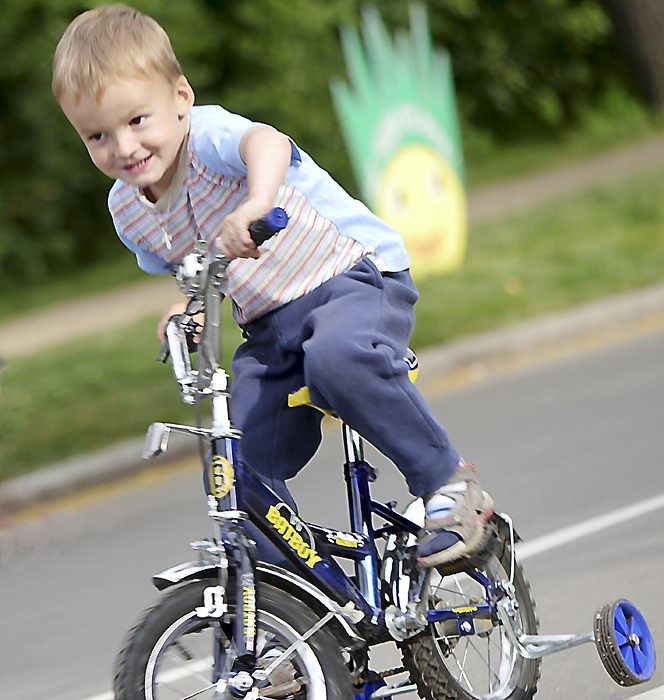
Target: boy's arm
(267, 154)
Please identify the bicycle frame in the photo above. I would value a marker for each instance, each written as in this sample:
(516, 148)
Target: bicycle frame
(237, 495)
(310, 547)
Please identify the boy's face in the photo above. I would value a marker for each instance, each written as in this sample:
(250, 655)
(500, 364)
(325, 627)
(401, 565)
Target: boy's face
(133, 132)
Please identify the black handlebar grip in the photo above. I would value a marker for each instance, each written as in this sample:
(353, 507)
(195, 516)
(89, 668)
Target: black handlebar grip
(265, 227)
(164, 353)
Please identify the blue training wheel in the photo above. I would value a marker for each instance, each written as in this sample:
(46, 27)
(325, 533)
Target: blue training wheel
(624, 643)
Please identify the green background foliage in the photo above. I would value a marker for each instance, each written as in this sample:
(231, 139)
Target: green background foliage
(523, 70)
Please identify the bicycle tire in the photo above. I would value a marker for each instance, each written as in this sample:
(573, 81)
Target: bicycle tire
(318, 666)
(432, 658)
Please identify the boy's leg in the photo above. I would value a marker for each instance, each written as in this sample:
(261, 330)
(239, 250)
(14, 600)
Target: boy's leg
(354, 330)
(277, 440)
(354, 364)
(346, 341)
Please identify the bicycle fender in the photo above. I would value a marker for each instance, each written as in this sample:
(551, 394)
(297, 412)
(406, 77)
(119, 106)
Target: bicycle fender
(187, 571)
(293, 584)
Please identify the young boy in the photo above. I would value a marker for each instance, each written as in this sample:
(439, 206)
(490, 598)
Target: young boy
(327, 303)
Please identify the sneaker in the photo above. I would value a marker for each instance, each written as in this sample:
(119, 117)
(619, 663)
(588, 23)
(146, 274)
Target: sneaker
(456, 519)
(283, 681)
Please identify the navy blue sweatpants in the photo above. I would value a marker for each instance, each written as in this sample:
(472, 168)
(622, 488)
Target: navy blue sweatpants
(346, 341)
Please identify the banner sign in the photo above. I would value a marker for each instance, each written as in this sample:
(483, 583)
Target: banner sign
(399, 118)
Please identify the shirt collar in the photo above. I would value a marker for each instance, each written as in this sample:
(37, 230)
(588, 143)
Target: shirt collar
(173, 191)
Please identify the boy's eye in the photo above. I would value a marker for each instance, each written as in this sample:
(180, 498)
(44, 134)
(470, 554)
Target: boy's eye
(136, 121)
(96, 137)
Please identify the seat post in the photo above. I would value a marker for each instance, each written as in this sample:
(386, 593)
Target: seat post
(356, 482)
(358, 474)
(353, 444)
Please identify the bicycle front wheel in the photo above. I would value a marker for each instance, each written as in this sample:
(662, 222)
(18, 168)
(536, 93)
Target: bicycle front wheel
(169, 654)
(482, 666)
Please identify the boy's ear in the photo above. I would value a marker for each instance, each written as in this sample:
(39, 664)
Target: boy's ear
(184, 96)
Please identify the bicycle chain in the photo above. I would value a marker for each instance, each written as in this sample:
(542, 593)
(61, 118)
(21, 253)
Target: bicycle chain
(376, 676)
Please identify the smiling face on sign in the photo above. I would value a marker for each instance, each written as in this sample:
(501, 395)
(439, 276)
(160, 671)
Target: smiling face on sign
(422, 197)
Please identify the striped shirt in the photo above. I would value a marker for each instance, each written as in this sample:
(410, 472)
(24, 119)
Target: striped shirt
(327, 233)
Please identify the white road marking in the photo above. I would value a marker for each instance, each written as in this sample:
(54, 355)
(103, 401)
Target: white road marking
(557, 539)
(588, 527)
(654, 694)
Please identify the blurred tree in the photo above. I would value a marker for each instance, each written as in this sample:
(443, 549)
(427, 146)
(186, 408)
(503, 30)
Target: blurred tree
(275, 61)
(524, 69)
(53, 200)
(639, 25)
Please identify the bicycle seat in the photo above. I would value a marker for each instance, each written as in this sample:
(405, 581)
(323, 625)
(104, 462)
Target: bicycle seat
(302, 397)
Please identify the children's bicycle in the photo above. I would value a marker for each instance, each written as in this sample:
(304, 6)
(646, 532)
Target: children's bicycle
(230, 626)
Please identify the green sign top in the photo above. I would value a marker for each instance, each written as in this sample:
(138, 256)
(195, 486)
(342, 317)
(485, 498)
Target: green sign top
(400, 92)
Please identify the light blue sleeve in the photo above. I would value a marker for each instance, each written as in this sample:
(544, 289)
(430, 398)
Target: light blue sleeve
(148, 262)
(153, 264)
(216, 139)
(217, 134)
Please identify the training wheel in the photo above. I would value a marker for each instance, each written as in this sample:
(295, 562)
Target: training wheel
(624, 643)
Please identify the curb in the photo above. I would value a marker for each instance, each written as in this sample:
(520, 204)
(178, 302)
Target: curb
(441, 368)
(85, 471)
(545, 337)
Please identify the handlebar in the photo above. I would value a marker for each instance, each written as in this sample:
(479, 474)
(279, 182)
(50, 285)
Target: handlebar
(264, 228)
(260, 230)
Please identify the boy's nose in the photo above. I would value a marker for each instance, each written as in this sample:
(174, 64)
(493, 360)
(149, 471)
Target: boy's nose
(125, 145)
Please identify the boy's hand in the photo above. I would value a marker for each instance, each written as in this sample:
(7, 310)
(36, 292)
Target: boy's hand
(234, 238)
(178, 308)
(174, 310)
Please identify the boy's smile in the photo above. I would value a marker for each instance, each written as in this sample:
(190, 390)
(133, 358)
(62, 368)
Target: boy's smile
(134, 131)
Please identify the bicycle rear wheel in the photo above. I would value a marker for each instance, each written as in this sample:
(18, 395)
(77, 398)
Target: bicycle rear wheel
(168, 654)
(482, 666)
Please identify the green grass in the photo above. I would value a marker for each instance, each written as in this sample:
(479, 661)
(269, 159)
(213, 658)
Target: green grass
(91, 393)
(601, 242)
(80, 396)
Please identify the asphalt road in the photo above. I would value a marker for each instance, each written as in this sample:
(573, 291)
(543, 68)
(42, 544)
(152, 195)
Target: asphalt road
(558, 445)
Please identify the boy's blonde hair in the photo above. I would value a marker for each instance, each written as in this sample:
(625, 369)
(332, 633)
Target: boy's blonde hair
(110, 42)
